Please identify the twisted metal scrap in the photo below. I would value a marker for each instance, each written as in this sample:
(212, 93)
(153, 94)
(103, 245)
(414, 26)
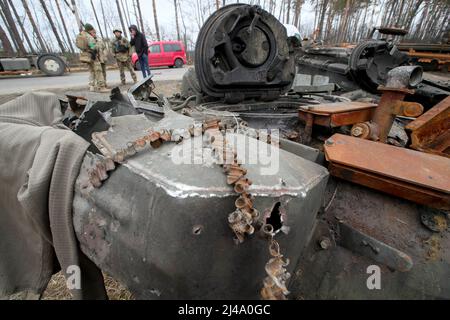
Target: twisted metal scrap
(277, 275)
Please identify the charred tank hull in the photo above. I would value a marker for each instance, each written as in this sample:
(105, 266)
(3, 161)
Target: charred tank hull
(162, 229)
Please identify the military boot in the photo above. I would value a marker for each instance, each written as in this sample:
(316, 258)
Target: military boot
(102, 89)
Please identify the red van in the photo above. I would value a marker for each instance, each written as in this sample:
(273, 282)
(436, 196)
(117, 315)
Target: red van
(163, 53)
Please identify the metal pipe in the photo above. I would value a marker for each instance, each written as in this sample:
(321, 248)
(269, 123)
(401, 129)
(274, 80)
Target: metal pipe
(384, 115)
(398, 82)
(404, 77)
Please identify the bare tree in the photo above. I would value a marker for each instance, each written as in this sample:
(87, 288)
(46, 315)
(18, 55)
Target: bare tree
(281, 10)
(155, 16)
(140, 14)
(400, 15)
(344, 23)
(33, 24)
(176, 19)
(121, 18)
(12, 28)
(362, 28)
(136, 15)
(51, 9)
(19, 21)
(217, 4)
(104, 17)
(52, 26)
(330, 19)
(127, 11)
(184, 26)
(412, 13)
(64, 26)
(288, 13)
(75, 12)
(125, 18)
(96, 19)
(7, 46)
(14, 45)
(297, 12)
(320, 26)
(13, 40)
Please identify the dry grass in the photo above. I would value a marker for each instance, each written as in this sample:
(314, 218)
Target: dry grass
(57, 289)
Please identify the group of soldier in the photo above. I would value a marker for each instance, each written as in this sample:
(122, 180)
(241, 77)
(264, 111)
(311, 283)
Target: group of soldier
(94, 53)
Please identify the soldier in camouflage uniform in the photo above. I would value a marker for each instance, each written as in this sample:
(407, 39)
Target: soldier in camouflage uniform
(121, 49)
(103, 56)
(86, 42)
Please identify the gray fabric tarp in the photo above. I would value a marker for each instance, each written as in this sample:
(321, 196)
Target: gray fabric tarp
(39, 162)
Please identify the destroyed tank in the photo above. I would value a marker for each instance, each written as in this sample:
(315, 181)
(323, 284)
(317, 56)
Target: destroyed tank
(365, 65)
(340, 218)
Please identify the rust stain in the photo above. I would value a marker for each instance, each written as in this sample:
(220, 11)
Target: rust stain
(434, 247)
(431, 131)
(415, 176)
(338, 114)
(417, 168)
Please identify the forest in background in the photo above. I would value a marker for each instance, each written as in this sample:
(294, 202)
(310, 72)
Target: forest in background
(35, 26)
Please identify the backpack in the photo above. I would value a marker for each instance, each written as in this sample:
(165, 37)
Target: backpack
(81, 42)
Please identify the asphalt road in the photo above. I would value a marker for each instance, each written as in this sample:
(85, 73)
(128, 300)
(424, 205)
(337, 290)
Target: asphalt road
(77, 80)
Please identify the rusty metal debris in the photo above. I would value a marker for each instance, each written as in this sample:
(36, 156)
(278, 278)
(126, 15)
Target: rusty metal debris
(391, 169)
(99, 172)
(431, 131)
(242, 220)
(76, 102)
(364, 66)
(398, 82)
(333, 115)
(430, 56)
(277, 275)
(153, 139)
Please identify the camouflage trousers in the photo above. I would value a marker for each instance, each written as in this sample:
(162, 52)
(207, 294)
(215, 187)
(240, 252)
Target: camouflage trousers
(96, 78)
(104, 72)
(126, 64)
